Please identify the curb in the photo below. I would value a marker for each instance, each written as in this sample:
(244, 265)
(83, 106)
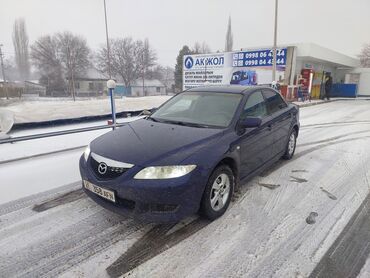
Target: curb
(316, 103)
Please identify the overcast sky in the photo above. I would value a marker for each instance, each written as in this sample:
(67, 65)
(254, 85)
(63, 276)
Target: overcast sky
(341, 25)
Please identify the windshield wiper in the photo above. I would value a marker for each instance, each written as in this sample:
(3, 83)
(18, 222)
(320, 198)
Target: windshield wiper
(189, 124)
(178, 122)
(152, 119)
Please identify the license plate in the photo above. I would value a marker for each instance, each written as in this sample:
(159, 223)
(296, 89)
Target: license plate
(107, 194)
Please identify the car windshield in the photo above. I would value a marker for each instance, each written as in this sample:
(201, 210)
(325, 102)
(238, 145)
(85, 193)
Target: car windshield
(204, 109)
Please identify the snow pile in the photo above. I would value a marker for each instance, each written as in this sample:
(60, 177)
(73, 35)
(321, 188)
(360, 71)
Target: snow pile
(47, 109)
(6, 122)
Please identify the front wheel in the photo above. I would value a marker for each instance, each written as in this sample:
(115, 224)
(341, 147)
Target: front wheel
(218, 192)
(290, 147)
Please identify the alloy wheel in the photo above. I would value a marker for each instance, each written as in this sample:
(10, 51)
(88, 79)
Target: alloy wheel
(220, 192)
(291, 144)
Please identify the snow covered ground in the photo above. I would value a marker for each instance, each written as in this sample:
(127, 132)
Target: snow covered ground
(46, 109)
(43, 158)
(265, 232)
(37, 147)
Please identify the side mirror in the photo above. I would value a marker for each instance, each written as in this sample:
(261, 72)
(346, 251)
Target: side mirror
(251, 122)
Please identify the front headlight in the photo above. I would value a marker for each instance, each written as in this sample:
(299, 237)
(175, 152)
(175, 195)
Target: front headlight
(164, 172)
(87, 152)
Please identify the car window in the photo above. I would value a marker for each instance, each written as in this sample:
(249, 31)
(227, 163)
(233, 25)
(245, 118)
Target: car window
(274, 101)
(255, 106)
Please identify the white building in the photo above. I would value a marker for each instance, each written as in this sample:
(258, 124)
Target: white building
(152, 87)
(317, 58)
(361, 77)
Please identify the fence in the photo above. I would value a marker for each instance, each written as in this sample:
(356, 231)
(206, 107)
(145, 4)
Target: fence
(11, 92)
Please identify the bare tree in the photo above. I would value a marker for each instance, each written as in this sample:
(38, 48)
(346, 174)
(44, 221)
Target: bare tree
(45, 57)
(20, 42)
(155, 72)
(11, 69)
(164, 74)
(201, 48)
(74, 57)
(168, 78)
(197, 48)
(148, 59)
(229, 37)
(125, 59)
(129, 59)
(365, 56)
(60, 56)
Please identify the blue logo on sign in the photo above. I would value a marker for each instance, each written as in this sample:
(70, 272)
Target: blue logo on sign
(189, 62)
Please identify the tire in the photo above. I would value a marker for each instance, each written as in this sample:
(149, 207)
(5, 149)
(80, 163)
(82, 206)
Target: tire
(221, 181)
(291, 145)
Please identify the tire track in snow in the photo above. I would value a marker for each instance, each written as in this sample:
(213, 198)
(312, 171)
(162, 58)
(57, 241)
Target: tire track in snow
(60, 200)
(22, 203)
(334, 138)
(48, 247)
(300, 154)
(156, 241)
(350, 250)
(344, 123)
(273, 262)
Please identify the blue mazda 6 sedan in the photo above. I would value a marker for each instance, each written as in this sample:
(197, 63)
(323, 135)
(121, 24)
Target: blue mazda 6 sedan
(191, 154)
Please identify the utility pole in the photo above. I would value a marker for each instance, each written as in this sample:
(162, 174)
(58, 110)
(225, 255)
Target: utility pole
(275, 42)
(106, 34)
(142, 58)
(3, 72)
(111, 84)
(70, 73)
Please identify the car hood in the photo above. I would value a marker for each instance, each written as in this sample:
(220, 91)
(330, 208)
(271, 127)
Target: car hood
(144, 142)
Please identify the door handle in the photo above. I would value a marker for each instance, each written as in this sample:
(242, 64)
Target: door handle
(269, 127)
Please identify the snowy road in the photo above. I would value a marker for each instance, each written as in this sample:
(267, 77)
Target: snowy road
(283, 223)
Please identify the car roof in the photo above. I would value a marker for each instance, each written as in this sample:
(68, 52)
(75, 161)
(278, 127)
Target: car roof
(232, 89)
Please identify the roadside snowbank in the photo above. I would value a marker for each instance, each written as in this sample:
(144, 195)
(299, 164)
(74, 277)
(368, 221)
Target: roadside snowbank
(6, 122)
(54, 109)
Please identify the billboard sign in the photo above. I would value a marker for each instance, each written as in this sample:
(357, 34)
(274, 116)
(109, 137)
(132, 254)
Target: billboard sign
(240, 67)
(259, 58)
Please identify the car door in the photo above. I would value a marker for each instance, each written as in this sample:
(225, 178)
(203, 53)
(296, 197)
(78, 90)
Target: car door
(281, 119)
(255, 143)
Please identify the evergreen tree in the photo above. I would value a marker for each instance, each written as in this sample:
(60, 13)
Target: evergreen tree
(179, 65)
(229, 37)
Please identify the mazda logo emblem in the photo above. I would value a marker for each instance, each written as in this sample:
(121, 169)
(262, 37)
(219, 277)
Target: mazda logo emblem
(102, 168)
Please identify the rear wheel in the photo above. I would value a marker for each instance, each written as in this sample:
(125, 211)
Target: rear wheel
(217, 195)
(290, 147)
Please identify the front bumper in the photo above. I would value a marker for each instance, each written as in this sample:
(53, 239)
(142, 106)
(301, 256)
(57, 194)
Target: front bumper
(166, 200)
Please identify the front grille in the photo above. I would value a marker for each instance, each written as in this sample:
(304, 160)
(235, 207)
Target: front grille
(110, 173)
